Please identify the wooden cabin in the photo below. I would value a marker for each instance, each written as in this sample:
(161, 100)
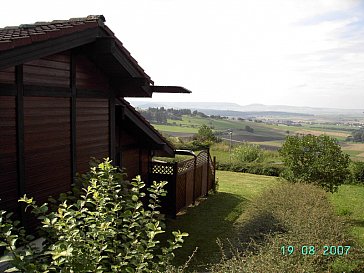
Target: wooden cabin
(62, 89)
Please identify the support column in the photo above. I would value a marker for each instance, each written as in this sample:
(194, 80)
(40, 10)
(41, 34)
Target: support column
(20, 136)
(112, 128)
(73, 116)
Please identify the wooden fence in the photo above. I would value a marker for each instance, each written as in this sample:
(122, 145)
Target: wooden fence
(187, 181)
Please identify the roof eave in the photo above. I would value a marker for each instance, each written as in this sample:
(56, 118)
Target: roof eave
(170, 89)
(23, 54)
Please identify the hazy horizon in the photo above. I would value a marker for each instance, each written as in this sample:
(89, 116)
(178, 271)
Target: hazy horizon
(146, 100)
(281, 52)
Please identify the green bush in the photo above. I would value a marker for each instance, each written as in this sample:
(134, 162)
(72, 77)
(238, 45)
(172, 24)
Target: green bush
(205, 134)
(317, 160)
(295, 215)
(247, 153)
(101, 226)
(269, 169)
(357, 172)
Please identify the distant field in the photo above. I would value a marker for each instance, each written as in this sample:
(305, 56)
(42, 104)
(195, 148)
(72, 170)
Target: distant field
(318, 132)
(355, 150)
(353, 146)
(176, 129)
(269, 136)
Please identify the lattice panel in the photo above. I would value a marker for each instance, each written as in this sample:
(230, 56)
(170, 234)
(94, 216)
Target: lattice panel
(202, 158)
(184, 166)
(162, 169)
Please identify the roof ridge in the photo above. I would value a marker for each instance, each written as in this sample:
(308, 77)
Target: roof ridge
(100, 19)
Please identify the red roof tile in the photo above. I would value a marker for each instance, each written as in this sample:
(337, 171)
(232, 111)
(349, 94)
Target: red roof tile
(52, 29)
(17, 36)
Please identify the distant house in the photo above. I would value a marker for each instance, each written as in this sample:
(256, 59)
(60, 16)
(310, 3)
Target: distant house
(62, 89)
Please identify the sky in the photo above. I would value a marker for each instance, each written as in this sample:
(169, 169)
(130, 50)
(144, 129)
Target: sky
(274, 52)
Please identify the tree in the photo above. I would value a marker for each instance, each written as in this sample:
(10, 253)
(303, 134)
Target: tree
(205, 133)
(248, 153)
(358, 135)
(249, 129)
(317, 160)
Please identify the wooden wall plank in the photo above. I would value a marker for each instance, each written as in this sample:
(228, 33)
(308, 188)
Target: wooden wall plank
(7, 75)
(130, 161)
(92, 131)
(89, 76)
(49, 71)
(47, 146)
(8, 158)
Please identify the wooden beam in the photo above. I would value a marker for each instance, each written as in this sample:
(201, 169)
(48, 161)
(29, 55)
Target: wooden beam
(20, 136)
(130, 82)
(30, 52)
(73, 116)
(174, 190)
(83, 93)
(109, 46)
(169, 89)
(112, 132)
(8, 89)
(46, 91)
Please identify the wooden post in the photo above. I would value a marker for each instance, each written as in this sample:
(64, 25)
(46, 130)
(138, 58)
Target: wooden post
(174, 190)
(194, 180)
(214, 170)
(73, 116)
(208, 172)
(112, 127)
(20, 138)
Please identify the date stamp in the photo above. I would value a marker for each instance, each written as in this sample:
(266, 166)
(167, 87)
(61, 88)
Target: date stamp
(326, 250)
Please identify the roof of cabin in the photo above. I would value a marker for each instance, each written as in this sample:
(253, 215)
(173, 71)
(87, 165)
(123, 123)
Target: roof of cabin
(12, 37)
(165, 147)
(26, 42)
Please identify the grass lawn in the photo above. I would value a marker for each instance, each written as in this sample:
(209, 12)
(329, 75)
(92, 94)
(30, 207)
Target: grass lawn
(177, 129)
(217, 216)
(214, 218)
(349, 202)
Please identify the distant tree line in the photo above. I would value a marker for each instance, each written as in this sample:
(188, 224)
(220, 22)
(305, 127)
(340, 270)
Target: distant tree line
(160, 115)
(356, 136)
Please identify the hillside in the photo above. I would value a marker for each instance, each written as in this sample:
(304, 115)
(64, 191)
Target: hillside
(262, 132)
(260, 109)
(269, 136)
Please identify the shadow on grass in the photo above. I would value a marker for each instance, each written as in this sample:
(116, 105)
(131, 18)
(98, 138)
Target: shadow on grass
(255, 229)
(357, 223)
(212, 219)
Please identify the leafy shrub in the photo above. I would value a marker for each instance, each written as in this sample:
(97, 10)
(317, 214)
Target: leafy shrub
(205, 134)
(269, 169)
(249, 129)
(248, 153)
(357, 172)
(316, 160)
(101, 226)
(291, 214)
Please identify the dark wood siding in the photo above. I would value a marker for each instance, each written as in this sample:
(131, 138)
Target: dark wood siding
(135, 155)
(144, 161)
(130, 161)
(52, 70)
(47, 153)
(92, 131)
(89, 76)
(7, 75)
(8, 160)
